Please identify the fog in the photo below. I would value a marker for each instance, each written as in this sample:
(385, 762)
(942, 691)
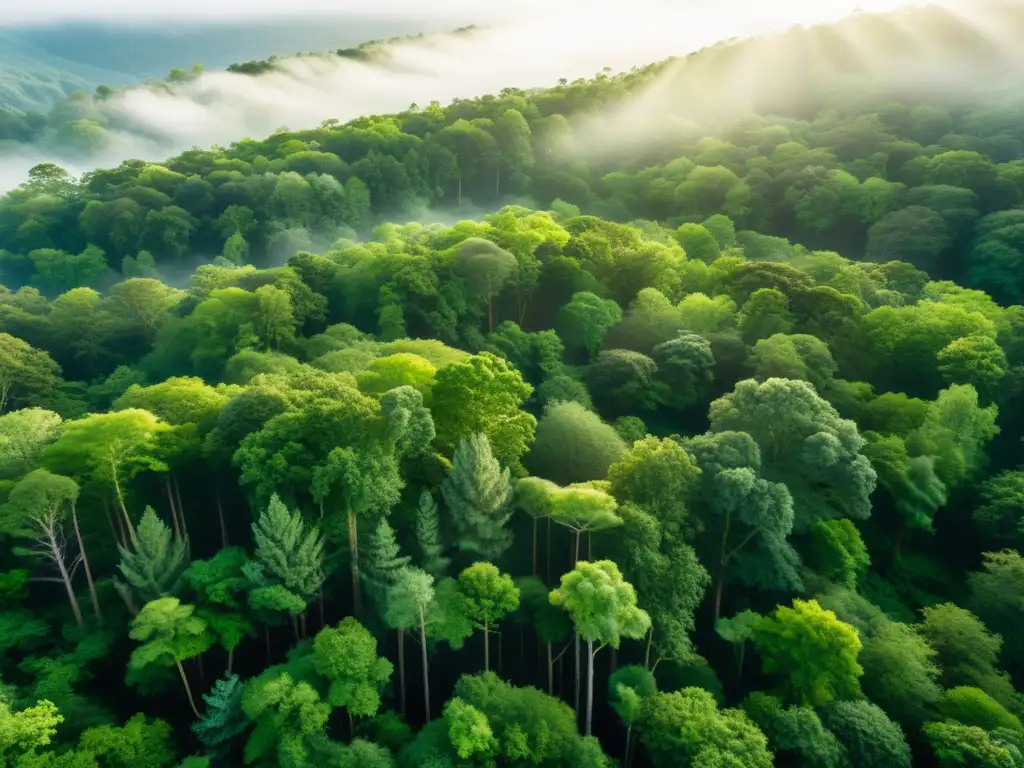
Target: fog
(576, 40)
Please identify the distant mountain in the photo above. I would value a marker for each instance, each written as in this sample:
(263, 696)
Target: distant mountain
(41, 65)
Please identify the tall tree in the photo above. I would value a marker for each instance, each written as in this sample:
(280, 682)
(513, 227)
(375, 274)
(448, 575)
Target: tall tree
(603, 609)
(289, 556)
(488, 595)
(36, 510)
(154, 565)
(346, 655)
(26, 374)
(169, 634)
(223, 720)
(477, 493)
(428, 536)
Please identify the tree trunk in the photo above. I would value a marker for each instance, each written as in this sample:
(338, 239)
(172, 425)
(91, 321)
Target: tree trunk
(534, 549)
(590, 546)
(401, 669)
(500, 638)
(220, 517)
(120, 501)
(114, 531)
(302, 624)
(487, 648)
(551, 672)
(181, 510)
(647, 652)
(590, 685)
(576, 696)
(719, 583)
(170, 501)
(353, 552)
(231, 659)
(85, 563)
(547, 555)
(426, 667)
(629, 735)
(575, 549)
(58, 559)
(188, 690)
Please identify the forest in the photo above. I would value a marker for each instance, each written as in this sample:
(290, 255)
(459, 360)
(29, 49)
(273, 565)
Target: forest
(548, 428)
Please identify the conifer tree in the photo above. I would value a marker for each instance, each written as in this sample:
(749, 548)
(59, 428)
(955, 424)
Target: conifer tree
(223, 719)
(154, 566)
(477, 493)
(384, 560)
(428, 536)
(288, 568)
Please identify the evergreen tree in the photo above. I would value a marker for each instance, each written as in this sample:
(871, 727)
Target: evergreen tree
(155, 566)
(384, 561)
(428, 536)
(288, 568)
(224, 719)
(477, 493)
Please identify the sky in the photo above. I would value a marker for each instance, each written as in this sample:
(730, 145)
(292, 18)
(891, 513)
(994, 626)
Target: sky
(56, 11)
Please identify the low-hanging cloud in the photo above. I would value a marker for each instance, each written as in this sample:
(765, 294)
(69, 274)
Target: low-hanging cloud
(538, 49)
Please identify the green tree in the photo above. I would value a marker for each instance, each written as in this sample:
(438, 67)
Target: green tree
(582, 322)
(963, 746)
(24, 435)
(488, 596)
(288, 715)
(573, 445)
(223, 721)
(469, 731)
(685, 370)
(477, 493)
(687, 728)
(347, 656)
(603, 610)
(765, 314)
(428, 536)
(795, 734)
(995, 596)
(627, 688)
(869, 737)
(289, 557)
(169, 634)
(24, 731)
(813, 650)
(965, 650)
(154, 565)
(109, 449)
(483, 395)
(838, 551)
(26, 374)
(36, 510)
(803, 443)
(408, 603)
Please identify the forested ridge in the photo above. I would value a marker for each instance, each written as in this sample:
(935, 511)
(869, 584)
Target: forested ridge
(701, 449)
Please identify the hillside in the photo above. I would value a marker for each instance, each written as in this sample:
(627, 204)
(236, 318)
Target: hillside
(40, 65)
(671, 417)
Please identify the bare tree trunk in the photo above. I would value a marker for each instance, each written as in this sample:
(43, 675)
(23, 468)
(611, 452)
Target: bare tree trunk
(174, 514)
(57, 552)
(590, 685)
(120, 501)
(487, 648)
(231, 659)
(85, 563)
(551, 672)
(576, 698)
(547, 555)
(220, 516)
(181, 509)
(353, 551)
(534, 549)
(302, 624)
(188, 690)
(116, 526)
(401, 669)
(426, 666)
(647, 652)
